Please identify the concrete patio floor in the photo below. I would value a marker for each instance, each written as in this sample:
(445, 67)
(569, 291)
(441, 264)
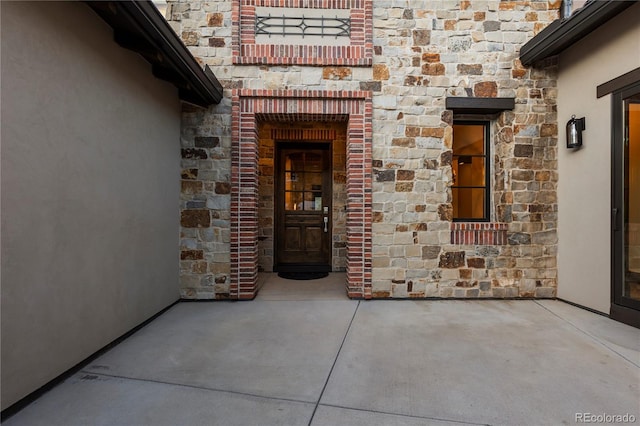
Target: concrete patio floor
(304, 354)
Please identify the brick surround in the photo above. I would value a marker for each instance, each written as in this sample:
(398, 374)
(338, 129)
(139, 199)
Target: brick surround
(249, 107)
(358, 53)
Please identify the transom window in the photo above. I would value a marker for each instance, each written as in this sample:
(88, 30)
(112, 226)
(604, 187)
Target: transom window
(470, 165)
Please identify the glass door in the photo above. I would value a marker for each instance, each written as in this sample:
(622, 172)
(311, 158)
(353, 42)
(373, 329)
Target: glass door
(626, 209)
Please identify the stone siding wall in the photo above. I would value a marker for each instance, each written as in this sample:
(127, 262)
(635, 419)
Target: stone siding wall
(423, 52)
(205, 203)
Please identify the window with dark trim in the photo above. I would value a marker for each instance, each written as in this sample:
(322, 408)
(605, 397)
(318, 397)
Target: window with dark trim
(470, 166)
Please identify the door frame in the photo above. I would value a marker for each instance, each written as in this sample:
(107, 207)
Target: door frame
(623, 309)
(326, 145)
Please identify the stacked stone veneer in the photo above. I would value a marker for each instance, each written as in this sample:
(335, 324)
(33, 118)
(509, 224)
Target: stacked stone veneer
(423, 52)
(205, 204)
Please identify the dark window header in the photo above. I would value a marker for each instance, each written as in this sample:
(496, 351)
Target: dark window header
(485, 106)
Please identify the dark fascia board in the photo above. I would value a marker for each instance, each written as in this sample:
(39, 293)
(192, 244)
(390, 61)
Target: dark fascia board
(563, 33)
(139, 26)
(485, 106)
(618, 83)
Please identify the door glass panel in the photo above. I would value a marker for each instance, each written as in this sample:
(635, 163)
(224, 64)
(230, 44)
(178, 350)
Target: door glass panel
(303, 181)
(294, 183)
(313, 162)
(295, 161)
(631, 288)
(293, 200)
(313, 182)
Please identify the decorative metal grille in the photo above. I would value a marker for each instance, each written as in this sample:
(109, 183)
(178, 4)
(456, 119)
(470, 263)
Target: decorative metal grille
(303, 26)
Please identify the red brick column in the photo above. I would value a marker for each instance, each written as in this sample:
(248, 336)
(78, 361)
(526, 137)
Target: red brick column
(359, 206)
(356, 226)
(244, 203)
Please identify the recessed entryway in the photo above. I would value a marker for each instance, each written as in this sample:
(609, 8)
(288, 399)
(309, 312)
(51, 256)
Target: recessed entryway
(297, 111)
(302, 194)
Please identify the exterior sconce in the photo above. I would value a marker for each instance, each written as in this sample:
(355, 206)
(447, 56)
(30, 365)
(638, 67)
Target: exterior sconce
(575, 126)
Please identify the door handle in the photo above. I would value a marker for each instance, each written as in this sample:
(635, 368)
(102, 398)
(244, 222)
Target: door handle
(326, 223)
(614, 218)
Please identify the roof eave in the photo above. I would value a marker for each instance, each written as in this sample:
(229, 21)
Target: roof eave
(139, 26)
(561, 34)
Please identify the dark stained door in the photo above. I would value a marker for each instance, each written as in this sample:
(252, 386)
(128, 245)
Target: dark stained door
(303, 206)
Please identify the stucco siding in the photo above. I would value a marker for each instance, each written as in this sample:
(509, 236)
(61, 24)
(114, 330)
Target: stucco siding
(584, 187)
(90, 191)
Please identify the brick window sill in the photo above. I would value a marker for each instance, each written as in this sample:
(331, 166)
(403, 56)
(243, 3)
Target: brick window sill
(479, 233)
(347, 56)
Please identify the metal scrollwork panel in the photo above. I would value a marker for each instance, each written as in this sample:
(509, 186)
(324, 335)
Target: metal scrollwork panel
(302, 26)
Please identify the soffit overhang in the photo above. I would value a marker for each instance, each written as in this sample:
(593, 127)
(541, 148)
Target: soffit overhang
(139, 26)
(563, 33)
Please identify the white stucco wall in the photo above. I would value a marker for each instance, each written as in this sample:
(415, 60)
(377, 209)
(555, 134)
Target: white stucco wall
(584, 188)
(90, 188)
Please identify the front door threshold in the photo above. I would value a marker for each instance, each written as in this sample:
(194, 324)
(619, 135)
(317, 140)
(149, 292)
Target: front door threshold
(302, 267)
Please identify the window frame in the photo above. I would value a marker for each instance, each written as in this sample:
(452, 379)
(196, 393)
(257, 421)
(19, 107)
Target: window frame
(487, 167)
(622, 308)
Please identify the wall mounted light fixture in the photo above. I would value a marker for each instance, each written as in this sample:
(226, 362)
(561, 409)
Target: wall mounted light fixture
(575, 126)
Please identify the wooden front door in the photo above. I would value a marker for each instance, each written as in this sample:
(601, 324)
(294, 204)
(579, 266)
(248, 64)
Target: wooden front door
(303, 208)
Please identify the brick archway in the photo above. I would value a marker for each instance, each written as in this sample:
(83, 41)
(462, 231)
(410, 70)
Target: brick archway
(249, 107)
